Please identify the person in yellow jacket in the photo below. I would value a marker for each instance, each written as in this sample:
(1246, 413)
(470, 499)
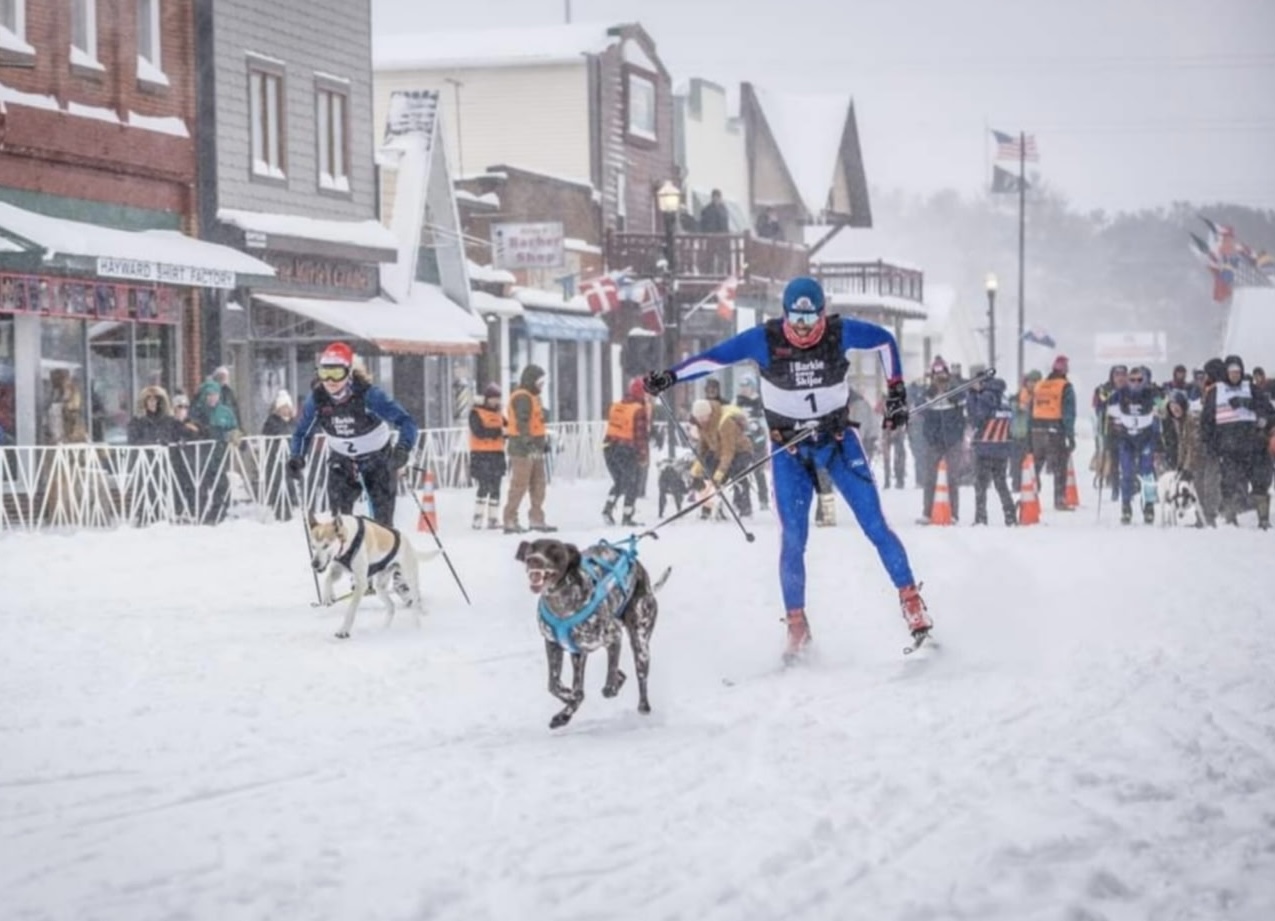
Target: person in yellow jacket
(487, 457)
(626, 451)
(724, 447)
(526, 444)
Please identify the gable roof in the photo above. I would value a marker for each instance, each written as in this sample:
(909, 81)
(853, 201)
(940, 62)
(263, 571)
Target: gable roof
(817, 135)
(514, 47)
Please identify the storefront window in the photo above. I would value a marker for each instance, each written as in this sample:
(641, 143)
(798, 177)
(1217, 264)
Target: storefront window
(270, 374)
(8, 425)
(63, 413)
(154, 356)
(110, 382)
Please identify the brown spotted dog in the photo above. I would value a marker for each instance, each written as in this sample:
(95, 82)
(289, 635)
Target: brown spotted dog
(587, 602)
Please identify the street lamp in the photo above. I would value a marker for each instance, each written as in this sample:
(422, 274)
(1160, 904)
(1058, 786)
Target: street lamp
(668, 198)
(992, 285)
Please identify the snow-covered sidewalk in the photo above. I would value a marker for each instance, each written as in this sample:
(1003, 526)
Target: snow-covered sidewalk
(182, 737)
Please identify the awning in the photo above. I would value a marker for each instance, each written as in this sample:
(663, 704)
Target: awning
(368, 240)
(164, 257)
(428, 323)
(542, 324)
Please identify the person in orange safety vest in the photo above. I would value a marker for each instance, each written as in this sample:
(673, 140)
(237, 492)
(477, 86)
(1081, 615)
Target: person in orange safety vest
(626, 451)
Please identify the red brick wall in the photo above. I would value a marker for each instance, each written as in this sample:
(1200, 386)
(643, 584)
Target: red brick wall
(69, 155)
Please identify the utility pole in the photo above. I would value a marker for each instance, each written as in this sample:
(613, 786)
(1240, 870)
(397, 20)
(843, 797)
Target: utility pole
(567, 5)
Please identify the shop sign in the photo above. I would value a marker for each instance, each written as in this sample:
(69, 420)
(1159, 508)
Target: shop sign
(319, 275)
(527, 246)
(164, 273)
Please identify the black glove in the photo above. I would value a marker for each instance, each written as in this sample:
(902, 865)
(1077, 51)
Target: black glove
(656, 382)
(295, 466)
(896, 406)
(398, 460)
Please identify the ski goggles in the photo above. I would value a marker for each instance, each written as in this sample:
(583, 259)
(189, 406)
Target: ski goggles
(803, 317)
(333, 372)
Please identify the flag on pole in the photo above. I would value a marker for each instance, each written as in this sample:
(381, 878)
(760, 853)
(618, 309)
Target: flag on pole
(1003, 182)
(1040, 337)
(602, 293)
(646, 294)
(725, 297)
(1008, 146)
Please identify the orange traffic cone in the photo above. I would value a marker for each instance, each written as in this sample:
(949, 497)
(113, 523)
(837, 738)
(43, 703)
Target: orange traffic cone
(1072, 497)
(1029, 502)
(428, 520)
(941, 512)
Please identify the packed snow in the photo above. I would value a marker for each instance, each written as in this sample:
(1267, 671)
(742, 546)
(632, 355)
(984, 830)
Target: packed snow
(183, 737)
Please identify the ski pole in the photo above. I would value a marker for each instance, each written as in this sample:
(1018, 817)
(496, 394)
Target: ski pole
(686, 439)
(305, 523)
(986, 374)
(434, 534)
(746, 472)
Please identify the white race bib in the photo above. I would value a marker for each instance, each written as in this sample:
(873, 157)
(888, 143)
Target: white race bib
(807, 402)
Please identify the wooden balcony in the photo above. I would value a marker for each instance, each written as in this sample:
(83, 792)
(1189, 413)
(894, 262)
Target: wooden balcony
(872, 279)
(701, 261)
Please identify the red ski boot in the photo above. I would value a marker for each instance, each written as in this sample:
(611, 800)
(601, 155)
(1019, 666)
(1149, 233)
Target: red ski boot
(798, 636)
(914, 613)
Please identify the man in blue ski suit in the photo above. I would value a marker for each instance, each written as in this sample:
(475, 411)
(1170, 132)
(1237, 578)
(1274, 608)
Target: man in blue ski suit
(802, 361)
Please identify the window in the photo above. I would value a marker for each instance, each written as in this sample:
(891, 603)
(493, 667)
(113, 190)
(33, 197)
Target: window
(149, 63)
(640, 102)
(265, 110)
(84, 34)
(331, 121)
(13, 30)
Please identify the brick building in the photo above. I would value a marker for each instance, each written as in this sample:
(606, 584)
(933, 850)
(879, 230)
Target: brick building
(100, 275)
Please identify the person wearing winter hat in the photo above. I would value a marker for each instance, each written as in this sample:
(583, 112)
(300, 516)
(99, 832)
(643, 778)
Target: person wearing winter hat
(355, 415)
(1236, 424)
(1053, 428)
(747, 399)
(279, 426)
(487, 456)
(724, 449)
(943, 425)
(527, 443)
(626, 450)
(802, 360)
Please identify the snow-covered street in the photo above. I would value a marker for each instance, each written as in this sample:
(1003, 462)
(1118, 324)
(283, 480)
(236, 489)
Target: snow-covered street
(182, 737)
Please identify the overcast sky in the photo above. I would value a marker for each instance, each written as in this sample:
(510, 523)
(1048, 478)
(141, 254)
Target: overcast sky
(1133, 102)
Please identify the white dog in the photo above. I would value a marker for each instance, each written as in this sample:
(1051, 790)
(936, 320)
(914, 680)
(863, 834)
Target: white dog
(1179, 502)
(367, 551)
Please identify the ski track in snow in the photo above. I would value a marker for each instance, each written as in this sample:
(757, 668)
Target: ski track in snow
(181, 737)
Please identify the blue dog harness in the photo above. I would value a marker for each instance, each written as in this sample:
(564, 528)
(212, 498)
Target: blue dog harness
(605, 574)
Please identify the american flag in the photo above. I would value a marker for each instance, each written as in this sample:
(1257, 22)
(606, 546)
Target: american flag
(1008, 147)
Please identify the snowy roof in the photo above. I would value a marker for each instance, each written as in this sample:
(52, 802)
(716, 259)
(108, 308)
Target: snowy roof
(808, 130)
(484, 303)
(371, 234)
(63, 237)
(513, 47)
(537, 298)
(888, 302)
(427, 322)
(486, 273)
(858, 244)
(490, 199)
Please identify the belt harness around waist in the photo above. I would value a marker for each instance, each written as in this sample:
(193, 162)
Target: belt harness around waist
(346, 559)
(605, 574)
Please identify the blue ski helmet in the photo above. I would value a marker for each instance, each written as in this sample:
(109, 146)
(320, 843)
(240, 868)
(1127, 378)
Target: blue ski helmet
(803, 294)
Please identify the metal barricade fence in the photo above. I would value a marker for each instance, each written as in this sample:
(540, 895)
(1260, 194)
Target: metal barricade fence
(203, 482)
